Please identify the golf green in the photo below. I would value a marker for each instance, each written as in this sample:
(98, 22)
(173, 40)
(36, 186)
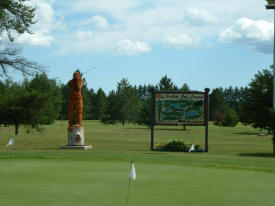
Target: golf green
(35, 182)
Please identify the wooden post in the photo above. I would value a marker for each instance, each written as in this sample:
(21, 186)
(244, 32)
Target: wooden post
(206, 116)
(152, 117)
(184, 127)
(16, 128)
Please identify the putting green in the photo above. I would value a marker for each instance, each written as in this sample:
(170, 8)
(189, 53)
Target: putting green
(72, 182)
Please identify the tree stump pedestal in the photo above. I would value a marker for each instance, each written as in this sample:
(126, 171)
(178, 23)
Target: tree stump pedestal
(76, 139)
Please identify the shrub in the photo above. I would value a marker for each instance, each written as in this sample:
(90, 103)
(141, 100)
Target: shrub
(177, 145)
(230, 118)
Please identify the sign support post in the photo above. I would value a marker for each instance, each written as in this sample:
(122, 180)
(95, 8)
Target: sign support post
(206, 117)
(271, 5)
(152, 117)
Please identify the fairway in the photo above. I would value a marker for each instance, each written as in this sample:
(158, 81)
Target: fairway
(238, 170)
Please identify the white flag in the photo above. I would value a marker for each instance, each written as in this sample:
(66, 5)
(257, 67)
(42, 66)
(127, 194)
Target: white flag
(132, 173)
(192, 148)
(11, 142)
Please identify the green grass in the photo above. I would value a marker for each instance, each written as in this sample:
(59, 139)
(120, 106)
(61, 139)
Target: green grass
(238, 170)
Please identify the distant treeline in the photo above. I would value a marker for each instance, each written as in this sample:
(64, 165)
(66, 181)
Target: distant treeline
(127, 103)
(43, 100)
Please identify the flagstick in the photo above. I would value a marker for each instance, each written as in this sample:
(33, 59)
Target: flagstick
(128, 191)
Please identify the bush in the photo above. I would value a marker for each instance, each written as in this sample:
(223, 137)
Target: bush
(230, 118)
(178, 145)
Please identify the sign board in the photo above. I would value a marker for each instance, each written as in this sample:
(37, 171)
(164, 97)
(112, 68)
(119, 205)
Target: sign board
(180, 108)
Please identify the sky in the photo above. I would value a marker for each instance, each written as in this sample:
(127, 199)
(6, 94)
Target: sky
(203, 43)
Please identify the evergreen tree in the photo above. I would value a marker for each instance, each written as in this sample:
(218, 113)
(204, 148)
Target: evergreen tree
(21, 104)
(129, 102)
(257, 101)
(87, 102)
(64, 89)
(16, 17)
(185, 87)
(91, 108)
(166, 84)
(50, 90)
(217, 105)
(112, 109)
(232, 97)
(144, 110)
(100, 104)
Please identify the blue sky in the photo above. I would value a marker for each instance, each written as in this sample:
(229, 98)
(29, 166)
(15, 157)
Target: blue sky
(204, 43)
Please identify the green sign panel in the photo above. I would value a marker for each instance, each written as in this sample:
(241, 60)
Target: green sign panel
(179, 108)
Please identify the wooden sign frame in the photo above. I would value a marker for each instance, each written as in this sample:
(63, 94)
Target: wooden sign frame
(182, 95)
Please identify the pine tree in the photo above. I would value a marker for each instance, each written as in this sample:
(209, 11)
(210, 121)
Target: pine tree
(16, 17)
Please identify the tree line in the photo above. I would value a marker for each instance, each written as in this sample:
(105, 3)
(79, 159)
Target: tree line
(127, 103)
(42, 100)
(249, 105)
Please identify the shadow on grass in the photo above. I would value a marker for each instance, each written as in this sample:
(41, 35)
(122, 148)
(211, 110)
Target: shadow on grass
(174, 129)
(155, 153)
(248, 133)
(167, 129)
(256, 155)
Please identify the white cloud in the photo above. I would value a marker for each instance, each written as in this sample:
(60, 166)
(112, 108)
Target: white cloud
(80, 41)
(103, 5)
(258, 35)
(102, 41)
(42, 30)
(83, 35)
(182, 41)
(200, 17)
(100, 22)
(129, 47)
(39, 38)
(153, 20)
